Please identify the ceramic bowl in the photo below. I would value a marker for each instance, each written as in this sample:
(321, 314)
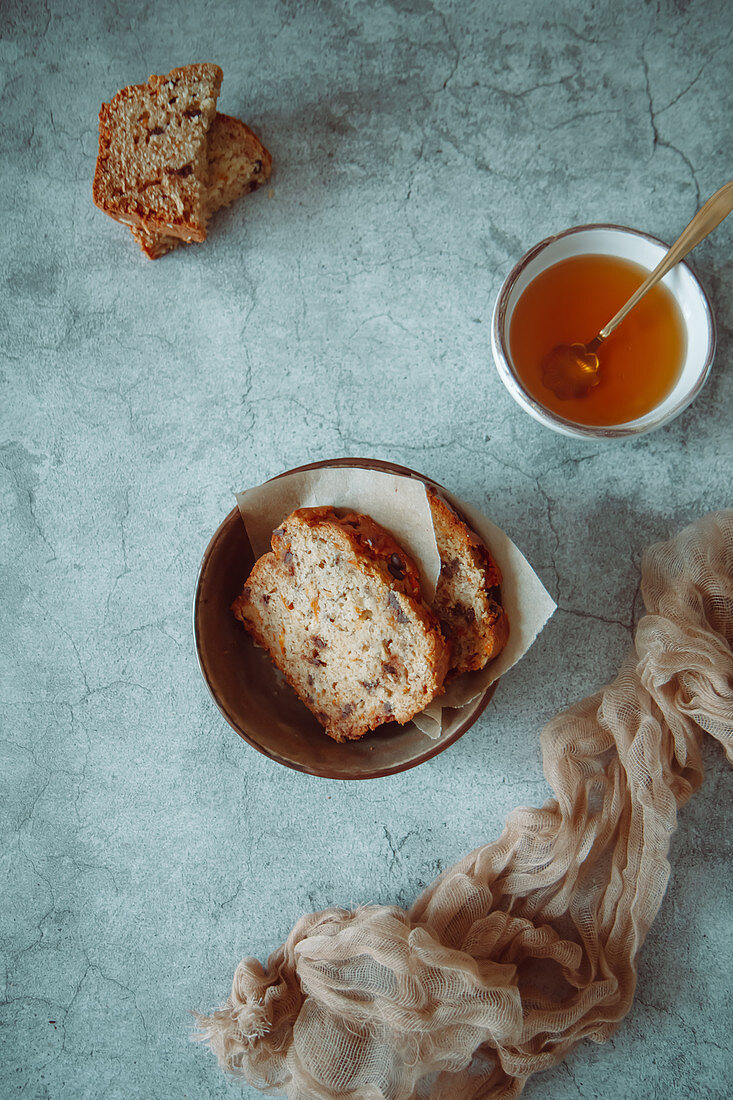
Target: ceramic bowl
(628, 244)
(252, 695)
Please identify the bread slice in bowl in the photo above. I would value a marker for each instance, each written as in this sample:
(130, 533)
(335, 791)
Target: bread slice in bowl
(338, 607)
(467, 598)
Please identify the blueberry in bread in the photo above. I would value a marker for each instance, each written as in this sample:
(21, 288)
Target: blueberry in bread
(237, 164)
(337, 605)
(153, 163)
(467, 597)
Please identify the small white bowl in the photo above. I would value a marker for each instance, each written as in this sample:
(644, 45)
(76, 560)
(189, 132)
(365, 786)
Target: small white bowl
(628, 244)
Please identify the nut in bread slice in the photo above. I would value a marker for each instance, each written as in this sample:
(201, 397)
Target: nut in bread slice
(152, 166)
(468, 595)
(337, 606)
(237, 164)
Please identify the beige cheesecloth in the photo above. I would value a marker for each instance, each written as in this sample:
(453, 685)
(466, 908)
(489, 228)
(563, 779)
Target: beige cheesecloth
(529, 944)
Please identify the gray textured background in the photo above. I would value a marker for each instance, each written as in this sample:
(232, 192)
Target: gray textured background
(420, 148)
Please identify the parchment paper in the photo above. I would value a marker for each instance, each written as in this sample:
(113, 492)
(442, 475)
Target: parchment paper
(397, 503)
(400, 505)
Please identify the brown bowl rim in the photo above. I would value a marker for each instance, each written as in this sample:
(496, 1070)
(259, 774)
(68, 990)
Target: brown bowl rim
(434, 748)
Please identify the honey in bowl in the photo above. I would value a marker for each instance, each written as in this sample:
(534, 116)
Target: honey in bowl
(640, 362)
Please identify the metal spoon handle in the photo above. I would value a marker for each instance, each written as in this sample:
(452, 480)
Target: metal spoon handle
(707, 218)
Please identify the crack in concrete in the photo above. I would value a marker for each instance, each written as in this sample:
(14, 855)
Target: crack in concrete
(598, 618)
(452, 44)
(156, 624)
(556, 535)
(658, 141)
(28, 492)
(396, 849)
(584, 114)
(34, 803)
(505, 93)
(125, 569)
(36, 521)
(701, 70)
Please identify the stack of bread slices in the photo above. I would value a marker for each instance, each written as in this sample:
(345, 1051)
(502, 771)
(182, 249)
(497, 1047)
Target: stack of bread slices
(168, 160)
(338, 606)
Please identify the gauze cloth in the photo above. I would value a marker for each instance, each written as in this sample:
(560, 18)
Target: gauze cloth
(530, 943)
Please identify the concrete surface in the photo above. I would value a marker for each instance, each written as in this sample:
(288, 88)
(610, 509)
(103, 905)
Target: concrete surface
(420, 148)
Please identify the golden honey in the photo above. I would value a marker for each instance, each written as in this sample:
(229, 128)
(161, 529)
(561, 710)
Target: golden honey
(570, 303)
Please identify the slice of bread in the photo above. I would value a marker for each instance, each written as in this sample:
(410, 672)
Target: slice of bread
(237, 164)
(467, 597)
(153, 160)
(337, 606)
